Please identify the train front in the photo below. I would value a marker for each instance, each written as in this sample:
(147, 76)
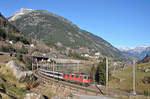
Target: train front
(86, 80)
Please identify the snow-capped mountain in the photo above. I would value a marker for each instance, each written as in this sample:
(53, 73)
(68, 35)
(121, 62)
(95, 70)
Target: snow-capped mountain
(138, 51)
(20, 13)
(125, 48)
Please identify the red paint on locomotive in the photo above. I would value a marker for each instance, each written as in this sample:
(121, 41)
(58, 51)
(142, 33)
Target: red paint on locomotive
(78, 78)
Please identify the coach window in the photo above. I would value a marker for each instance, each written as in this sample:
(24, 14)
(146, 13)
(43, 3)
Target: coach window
(72, 76)
(58, 74)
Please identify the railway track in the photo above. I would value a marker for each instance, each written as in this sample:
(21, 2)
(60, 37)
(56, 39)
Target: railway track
(71, 86)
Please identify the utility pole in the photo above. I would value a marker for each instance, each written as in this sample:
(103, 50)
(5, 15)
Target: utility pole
(32, 67)
(32, 63)
(78, 67)
(133, 72)
(93, 74)
(37, 63)
(53, 67)
(106, 71)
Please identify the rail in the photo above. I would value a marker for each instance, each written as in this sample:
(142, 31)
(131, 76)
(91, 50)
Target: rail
(72, 86)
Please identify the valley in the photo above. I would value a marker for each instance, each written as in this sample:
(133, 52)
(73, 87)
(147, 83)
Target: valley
(46, 56)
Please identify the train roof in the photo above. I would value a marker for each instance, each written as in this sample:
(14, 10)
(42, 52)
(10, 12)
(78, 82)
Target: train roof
(74, 73)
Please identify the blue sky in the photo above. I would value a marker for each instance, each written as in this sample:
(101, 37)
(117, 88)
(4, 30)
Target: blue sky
(120, 22)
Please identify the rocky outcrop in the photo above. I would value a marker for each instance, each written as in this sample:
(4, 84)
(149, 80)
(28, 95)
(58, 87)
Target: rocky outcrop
(34, 96)
(146, 80)
(18, 71)
(19, 13)
(144, 69)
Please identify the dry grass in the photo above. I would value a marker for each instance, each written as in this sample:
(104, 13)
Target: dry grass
(4, 58)
(126, 76)
(5, 96)
(51, 91)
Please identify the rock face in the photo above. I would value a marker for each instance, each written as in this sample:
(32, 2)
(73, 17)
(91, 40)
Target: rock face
(19, 13)
(146, 70)
(18, 71)
(34, 96)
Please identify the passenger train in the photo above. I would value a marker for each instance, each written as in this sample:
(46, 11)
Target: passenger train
(81, 79)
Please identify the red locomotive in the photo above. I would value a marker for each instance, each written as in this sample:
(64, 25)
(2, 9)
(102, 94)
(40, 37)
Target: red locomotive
(81, 79)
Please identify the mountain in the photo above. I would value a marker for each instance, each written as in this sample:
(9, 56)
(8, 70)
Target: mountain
(56, 30)
(146, 59)
(138, 51)
(10, 32)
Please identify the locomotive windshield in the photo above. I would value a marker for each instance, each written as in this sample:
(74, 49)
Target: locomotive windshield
(84, 77)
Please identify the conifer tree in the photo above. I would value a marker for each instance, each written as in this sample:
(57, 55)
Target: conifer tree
(92, 72)
(100, 75)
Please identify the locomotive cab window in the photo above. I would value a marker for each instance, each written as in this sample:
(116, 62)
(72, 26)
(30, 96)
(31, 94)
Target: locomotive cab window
(77, 76)
(84, 77)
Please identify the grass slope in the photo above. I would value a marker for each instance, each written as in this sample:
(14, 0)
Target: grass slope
(126, 77)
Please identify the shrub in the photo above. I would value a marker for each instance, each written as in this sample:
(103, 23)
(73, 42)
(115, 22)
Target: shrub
(31, 82)
(6, 48)
(16, 38)
(19, 56)
(146, 93)
(24, 40)
(76, 55)
(2, 33)
(22, 50)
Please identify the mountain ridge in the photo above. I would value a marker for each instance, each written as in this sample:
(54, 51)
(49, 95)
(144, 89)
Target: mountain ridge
(139, 51)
